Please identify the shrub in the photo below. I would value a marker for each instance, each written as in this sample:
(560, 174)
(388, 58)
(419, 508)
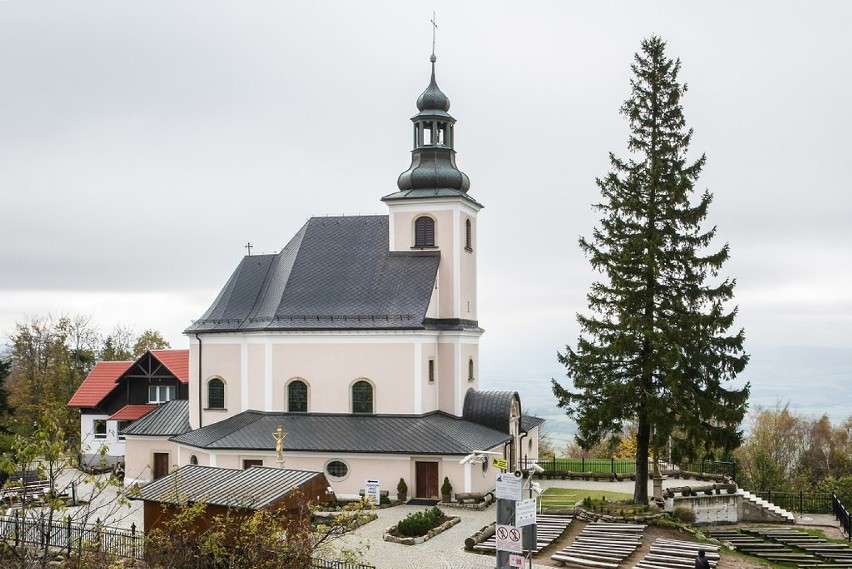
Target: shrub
(684, 514)
(446, 487)
(402, 487)
(419, 523)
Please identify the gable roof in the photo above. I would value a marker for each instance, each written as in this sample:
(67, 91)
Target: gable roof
(176, 361)
(253, 488)
(105, 375)
(335, 273)
(168, 419)
(97, 385)
(434, 433)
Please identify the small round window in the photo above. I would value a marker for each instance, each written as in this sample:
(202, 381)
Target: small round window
(337, 469)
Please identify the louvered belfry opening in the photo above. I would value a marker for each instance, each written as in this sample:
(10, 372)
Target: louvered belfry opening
(424, 232)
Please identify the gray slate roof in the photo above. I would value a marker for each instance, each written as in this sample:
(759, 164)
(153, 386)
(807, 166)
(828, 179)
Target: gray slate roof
(335, 273)
(169, 419)
(435, 433)
(490, 408)
(253, 488)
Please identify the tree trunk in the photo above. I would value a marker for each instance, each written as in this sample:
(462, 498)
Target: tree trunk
(643, 437)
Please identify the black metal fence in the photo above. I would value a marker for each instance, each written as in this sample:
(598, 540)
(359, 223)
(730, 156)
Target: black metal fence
(64, 535)
(627, 467)
(17, 529)
(801, 502)
(319, 563)
(842, 514)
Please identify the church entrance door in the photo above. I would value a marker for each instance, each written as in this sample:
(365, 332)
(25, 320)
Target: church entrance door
(427, 479)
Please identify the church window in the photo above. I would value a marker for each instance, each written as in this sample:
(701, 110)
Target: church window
(297, 397)
(468, 236)
(337, 469)
(100, 429)
(431, 371)
(424, 232)
(193, 459)
(470, 369)
(215, 394)
(362, 397)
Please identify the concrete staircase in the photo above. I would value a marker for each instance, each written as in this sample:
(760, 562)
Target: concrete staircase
(763, 510)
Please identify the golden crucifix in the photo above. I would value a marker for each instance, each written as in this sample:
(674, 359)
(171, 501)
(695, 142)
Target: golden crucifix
(279, 435)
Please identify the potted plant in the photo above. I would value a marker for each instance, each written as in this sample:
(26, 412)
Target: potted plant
(446, 490)
(402, 490)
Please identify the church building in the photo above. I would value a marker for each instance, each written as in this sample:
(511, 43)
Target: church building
(360, 340)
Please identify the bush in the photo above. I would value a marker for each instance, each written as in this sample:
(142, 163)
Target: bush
(419, 523)
(684, 514)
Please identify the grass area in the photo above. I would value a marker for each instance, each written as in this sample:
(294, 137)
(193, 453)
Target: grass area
(625, 466)
(567, 497)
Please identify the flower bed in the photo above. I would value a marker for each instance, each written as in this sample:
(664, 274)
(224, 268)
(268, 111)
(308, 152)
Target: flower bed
(420, 526)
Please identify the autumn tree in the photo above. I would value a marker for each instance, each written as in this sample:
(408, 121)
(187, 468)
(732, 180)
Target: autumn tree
(49, 359)
(148, 340)
(656, 348)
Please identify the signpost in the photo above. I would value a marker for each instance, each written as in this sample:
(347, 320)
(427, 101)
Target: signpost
(372, 491)
(515, 528)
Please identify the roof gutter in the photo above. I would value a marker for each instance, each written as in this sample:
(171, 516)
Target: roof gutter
(200, 423)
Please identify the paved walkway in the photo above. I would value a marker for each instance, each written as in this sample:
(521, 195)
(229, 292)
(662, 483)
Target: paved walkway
(443, 551)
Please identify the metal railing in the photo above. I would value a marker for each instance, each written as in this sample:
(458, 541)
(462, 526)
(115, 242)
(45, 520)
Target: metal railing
(626, 467)
(62, 534)
(801, 502)
(319, 563)
(842, 514)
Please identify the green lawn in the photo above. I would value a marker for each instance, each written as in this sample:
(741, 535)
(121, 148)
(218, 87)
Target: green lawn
(567, 497)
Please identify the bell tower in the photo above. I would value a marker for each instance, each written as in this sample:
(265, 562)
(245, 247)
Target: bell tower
(433, 211)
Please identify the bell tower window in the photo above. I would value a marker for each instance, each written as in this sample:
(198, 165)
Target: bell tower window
(424, 232)
(468, 236)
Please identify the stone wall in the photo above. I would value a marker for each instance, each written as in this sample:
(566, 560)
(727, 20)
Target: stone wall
(709, 510)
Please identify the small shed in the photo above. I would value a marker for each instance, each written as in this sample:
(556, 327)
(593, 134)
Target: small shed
(224, 489)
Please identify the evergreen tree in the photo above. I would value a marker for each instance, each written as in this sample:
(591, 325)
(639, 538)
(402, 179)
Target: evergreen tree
(656, 348)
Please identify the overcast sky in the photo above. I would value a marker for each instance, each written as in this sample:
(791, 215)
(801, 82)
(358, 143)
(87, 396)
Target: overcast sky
(142, 144)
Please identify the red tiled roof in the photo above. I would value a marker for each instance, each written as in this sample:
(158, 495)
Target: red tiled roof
(177, 361)
(100, 381)
(132, 412)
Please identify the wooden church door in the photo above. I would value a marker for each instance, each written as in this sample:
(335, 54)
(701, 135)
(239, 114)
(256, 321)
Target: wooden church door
(427, 479)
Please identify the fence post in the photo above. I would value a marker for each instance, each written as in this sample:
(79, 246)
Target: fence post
(133, 539)
(17, 528)
(582, 464)
(68, 532)
(612, 465)
(801, 501)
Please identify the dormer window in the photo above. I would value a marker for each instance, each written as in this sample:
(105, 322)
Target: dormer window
(424, 232)
(160, 393)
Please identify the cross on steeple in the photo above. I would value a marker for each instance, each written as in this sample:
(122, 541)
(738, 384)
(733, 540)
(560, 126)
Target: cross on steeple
(434, 29)
(249, 246)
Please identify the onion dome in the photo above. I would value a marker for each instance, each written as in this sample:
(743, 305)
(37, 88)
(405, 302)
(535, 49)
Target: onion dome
(433, 99)
(433, 168)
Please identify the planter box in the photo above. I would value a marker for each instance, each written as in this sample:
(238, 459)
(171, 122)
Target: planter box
(415, 540)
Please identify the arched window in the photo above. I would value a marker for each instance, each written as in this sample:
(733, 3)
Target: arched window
(470, 369)
(193, 459)
(297, 396)
(424, 232)
(468, 236)
(362, 397)
(215, 394)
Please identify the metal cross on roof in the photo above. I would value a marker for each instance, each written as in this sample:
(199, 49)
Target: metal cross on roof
(434, 28)
(249, 246)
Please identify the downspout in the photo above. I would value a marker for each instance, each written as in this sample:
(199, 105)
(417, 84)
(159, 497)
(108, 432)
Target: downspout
(521, 462)
(200, 424)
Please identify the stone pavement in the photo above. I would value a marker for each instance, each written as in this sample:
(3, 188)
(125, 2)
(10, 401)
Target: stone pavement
(447, 549)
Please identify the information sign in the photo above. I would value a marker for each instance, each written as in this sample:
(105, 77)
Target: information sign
(516, 561)
(525, 513)
(372, 492)
(500, 463)
(508, 539)
(508, 487)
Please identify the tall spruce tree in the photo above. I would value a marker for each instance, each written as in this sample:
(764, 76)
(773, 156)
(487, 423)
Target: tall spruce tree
(656, 348)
